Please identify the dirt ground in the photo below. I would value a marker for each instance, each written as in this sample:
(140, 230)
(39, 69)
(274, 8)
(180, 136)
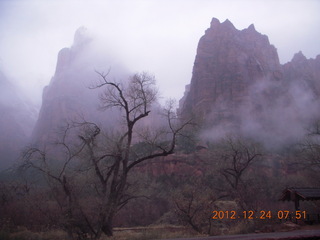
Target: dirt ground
(311, 227)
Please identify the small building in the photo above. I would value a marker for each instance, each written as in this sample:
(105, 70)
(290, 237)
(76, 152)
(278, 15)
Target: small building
(300, 194)
(303, 194)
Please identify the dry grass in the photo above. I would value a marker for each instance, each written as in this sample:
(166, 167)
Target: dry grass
(28, 235)
(152, 232)
(242, 227)
(136, 233)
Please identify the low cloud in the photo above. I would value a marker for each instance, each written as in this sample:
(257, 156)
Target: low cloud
(276, 113)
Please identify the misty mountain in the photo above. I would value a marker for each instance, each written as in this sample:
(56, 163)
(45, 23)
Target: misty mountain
(68, 97)
(238, 86)
(17, 119)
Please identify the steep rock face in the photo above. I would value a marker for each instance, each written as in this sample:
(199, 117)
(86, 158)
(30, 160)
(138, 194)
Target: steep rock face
(303, 70)
(238, 86)
(17, 118)
(68, 97)
(227, 62)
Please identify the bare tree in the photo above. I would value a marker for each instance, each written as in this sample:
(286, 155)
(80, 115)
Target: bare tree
(306, 156)
(309, 148)
(134, 102)
(57, 166)
(310, 153)
(193, 206)
(106, 160)
(238, 155)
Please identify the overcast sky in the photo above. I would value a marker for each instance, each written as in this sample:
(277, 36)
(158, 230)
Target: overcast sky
(158, 36)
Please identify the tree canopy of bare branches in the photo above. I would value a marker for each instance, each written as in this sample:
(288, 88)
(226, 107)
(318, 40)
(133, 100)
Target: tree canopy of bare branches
(238, 155)
(102, 162)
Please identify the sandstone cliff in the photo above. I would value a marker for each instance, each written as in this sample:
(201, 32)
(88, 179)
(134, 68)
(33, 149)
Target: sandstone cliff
(68, 97)
(307, 71)
(239, 86)
(227, 62)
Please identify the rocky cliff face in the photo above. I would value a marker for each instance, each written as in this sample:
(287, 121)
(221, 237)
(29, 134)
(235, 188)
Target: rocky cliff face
(68, 97)
(239, 86)
(227, 62)
(303, 70)
(17, 118)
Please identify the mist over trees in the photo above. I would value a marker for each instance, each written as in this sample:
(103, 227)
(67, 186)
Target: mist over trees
(104, 153)
(94, 168)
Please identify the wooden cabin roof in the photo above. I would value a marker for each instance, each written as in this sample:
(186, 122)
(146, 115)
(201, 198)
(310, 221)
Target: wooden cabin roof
(290, 194)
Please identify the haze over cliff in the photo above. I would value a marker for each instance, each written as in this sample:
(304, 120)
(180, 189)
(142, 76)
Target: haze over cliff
(68, 97)
(238, 86)
(17, 119)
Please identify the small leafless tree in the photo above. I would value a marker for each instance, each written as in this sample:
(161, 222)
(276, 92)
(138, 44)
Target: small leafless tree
(235, 157)
(310, 152)
(193, 206)
(107, 159)
(238, 155)
(309, 148)
(306, 158)
(58, 165)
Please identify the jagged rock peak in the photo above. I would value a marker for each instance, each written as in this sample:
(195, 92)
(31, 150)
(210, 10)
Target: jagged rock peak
(228, 27)
(251, 28)
(81, 37)
(214, 23)
(298, 57)
(228, 62)
(228, 24)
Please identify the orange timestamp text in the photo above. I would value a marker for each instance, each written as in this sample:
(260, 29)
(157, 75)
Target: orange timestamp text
(281, 214)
